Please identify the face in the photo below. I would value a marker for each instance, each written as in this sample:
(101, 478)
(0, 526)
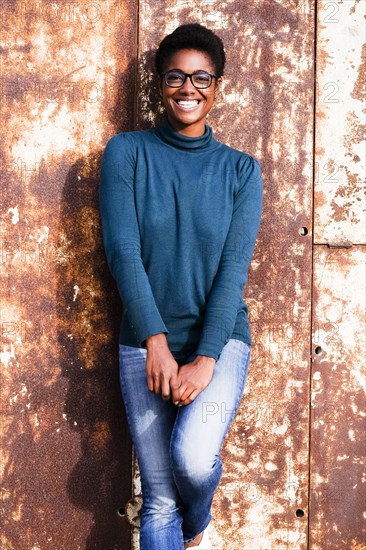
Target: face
(189, 119)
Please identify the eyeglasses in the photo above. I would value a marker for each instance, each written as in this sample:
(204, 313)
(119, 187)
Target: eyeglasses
(176, 78)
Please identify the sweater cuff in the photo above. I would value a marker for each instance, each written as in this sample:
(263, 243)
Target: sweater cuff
(144, 324)
(210, 348)
(142, 342)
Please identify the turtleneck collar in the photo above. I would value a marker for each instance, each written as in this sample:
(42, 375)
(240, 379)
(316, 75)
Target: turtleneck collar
(167, 133)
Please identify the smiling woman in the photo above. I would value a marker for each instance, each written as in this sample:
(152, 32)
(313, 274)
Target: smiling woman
(185, 100)
(180, 214)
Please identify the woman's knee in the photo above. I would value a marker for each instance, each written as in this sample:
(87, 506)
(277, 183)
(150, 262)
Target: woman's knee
(161, 506)
(193, 465)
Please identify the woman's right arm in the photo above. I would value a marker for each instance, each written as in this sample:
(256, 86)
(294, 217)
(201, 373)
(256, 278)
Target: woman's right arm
(121, 237)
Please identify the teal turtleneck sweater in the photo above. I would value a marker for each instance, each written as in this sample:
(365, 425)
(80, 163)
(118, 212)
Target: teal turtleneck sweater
(180, 217)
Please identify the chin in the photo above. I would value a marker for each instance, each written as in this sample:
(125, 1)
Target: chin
(188, 118)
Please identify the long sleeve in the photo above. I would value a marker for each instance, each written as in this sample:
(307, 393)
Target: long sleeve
(121, 237)
(226, 293)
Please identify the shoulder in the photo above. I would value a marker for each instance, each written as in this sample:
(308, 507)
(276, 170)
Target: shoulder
(248, 166)
(125, 143)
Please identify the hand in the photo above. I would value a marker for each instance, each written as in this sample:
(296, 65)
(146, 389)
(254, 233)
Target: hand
(161, 368)
(193, 377)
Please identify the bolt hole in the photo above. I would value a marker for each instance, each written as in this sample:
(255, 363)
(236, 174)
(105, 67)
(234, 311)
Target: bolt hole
(303, 231)
(318, 350)
(300, 513)
(121, 512)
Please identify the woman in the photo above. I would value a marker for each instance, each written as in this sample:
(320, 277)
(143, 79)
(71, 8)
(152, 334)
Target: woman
(180, 214)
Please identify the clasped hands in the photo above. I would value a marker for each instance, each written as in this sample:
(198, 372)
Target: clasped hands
(164, 376)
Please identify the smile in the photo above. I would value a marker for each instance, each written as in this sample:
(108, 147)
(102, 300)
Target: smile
(187, 104)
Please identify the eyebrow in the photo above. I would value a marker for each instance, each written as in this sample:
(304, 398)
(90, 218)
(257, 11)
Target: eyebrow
(196, 71)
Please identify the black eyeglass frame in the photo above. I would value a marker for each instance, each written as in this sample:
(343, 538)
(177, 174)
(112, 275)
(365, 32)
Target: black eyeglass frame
(190, 76)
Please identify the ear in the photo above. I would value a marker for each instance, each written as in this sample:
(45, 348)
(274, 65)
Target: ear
(218, 84)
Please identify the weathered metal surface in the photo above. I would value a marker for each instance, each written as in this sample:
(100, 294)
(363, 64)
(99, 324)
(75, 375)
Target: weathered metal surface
(339, 198)
(68, 71)
(266, 109)
(137, 503)
(338, 400)
(337, 494)
(67, 84)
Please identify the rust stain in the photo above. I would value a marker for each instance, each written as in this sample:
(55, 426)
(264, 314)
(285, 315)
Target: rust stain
(338, 389)
(101, 437)
(322, 55)
(321, 198)
(67, 70)
(267, 111)
(356, 132)
(359, 91)
(353, 8)
(331, 165)
(339, 130)
(319, 115)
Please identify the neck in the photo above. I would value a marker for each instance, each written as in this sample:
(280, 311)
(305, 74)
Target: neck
(196, 129)
(198, 142)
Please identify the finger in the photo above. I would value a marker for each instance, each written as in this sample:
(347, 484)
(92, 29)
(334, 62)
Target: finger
(175, 389)
(184, 395)
(165, 388)
(156, 382)
(189, 399)
(149, 378)
(182, 389)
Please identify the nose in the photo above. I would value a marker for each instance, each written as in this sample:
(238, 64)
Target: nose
(188, 86)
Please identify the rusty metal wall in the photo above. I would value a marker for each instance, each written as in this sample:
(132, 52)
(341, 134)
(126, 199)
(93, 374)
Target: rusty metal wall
(339, 207)
(266, 109)
(338, 384)
(337, 465)
(67, 84)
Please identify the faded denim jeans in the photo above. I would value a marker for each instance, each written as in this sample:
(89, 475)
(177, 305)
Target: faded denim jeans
(178, 448)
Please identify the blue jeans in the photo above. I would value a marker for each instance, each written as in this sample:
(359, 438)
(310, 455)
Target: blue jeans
(178, 448)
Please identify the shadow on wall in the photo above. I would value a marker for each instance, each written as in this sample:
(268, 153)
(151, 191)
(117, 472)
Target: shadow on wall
(89, 313)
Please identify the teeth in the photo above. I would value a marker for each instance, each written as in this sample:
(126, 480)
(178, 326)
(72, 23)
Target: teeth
(187, 104)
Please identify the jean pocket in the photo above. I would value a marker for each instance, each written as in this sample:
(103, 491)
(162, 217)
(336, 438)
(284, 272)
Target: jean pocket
(241, 343)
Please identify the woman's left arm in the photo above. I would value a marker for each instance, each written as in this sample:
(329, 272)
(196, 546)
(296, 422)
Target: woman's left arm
(227, 290)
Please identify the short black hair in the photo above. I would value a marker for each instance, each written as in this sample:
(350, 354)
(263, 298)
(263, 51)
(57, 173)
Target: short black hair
(192, 36)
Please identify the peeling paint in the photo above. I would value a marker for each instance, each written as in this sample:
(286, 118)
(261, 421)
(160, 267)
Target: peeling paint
(69, 73)
(67, 70)
(340, 130)
(15, 214)
(338, 404)
(265, 109)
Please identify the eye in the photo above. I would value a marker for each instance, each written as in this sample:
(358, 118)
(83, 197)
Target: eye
(174, 76)
(202, 78)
